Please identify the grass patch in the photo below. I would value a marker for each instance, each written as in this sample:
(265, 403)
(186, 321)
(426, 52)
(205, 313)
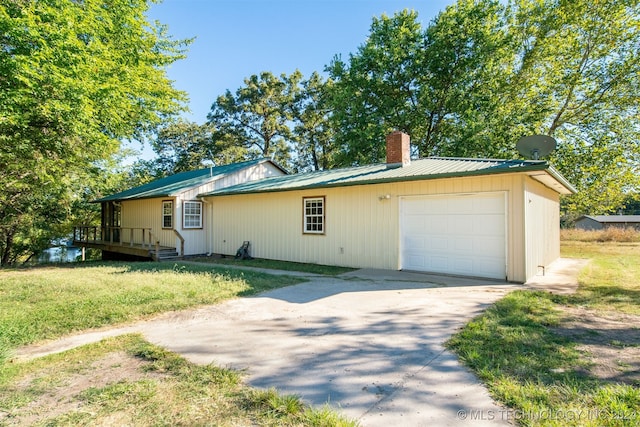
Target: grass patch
(537, 373)
(543, 376)
(327, 270)
(611, 281)
(81, 387)
(48, 302)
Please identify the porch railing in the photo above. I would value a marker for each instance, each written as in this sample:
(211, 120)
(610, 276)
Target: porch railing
(181, 242)
(116, 236)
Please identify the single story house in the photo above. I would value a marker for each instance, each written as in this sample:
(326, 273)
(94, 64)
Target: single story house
(474, 217)
(165, 218)
(599, 222)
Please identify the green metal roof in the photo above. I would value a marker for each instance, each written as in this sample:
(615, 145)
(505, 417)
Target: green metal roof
(174, 184)
(429, 168)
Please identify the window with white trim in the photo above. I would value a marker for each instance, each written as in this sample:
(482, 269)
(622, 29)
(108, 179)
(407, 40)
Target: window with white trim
(192, 215)
(167, 214)
(313, 215)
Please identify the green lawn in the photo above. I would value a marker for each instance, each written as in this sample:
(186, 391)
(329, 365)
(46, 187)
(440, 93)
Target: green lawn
(48, 302)
(543, 376)
(612, 280)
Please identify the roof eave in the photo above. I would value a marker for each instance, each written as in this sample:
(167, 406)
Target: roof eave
(542, 166)
(563, 186)
(208, 179)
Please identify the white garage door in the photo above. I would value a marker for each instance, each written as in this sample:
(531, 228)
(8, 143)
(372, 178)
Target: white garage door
(454, 234)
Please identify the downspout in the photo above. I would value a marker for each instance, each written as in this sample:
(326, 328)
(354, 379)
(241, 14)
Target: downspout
(210, 227)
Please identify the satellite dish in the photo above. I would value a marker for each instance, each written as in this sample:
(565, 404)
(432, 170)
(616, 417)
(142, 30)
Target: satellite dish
(208, 163)
(536, 146)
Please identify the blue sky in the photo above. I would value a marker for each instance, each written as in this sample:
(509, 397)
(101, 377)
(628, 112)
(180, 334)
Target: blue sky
(238, 38)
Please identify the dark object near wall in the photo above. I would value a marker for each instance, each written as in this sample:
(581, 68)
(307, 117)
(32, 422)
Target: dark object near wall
(243, 252)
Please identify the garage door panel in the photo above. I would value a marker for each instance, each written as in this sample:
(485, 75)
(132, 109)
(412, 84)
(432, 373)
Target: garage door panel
(437, 244)
(418, 261)
(488, 205)
(490, 225)
(416, 243)
(415, 221)
(490, 245)
(486, 267)
(436, 263)
(437, 207)
(459, 234)
(459, 227)
(464, 246)
(420, 206)
(435, 224)
(462, 265)
(457, 205)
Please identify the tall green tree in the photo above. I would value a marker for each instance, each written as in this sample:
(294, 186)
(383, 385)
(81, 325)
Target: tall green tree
(312, 133)
(76, 78)
(257, 117)
(425, 82)
(379, 89)
(579, 63)
(183, 146)
(485, 73)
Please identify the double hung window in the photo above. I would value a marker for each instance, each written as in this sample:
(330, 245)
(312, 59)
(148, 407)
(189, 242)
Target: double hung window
(313, 215)
(167, 214)
(192, 215)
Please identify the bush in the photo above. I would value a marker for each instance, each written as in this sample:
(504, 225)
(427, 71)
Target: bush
(610, 234)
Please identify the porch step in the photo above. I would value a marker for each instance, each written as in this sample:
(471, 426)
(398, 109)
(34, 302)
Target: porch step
(165, 254)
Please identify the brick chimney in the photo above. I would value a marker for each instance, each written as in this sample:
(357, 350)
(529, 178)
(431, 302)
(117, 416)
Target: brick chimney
(398, 151)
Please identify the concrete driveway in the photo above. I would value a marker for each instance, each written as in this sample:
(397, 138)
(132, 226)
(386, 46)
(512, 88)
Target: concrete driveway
(369, 343)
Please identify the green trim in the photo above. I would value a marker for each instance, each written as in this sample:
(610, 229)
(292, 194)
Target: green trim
(561, 179)
(270, 185)
(174, 184)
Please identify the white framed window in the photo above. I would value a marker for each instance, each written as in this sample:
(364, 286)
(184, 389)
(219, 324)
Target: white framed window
(167, 214)
(313, 213)
(192, 215)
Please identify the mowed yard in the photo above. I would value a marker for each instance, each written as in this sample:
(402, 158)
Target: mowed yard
(550, 359)
(558, 360)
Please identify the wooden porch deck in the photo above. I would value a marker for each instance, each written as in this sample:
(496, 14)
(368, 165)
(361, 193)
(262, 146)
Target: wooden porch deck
(122, 242)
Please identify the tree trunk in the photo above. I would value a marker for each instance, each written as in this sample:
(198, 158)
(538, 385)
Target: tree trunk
(8, 245)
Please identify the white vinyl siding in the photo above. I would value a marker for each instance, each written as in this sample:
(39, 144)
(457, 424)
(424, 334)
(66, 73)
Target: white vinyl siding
(192, 215)
(542, 236)
(362, 227)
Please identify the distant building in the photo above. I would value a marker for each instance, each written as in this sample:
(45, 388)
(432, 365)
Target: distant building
(599, 222)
